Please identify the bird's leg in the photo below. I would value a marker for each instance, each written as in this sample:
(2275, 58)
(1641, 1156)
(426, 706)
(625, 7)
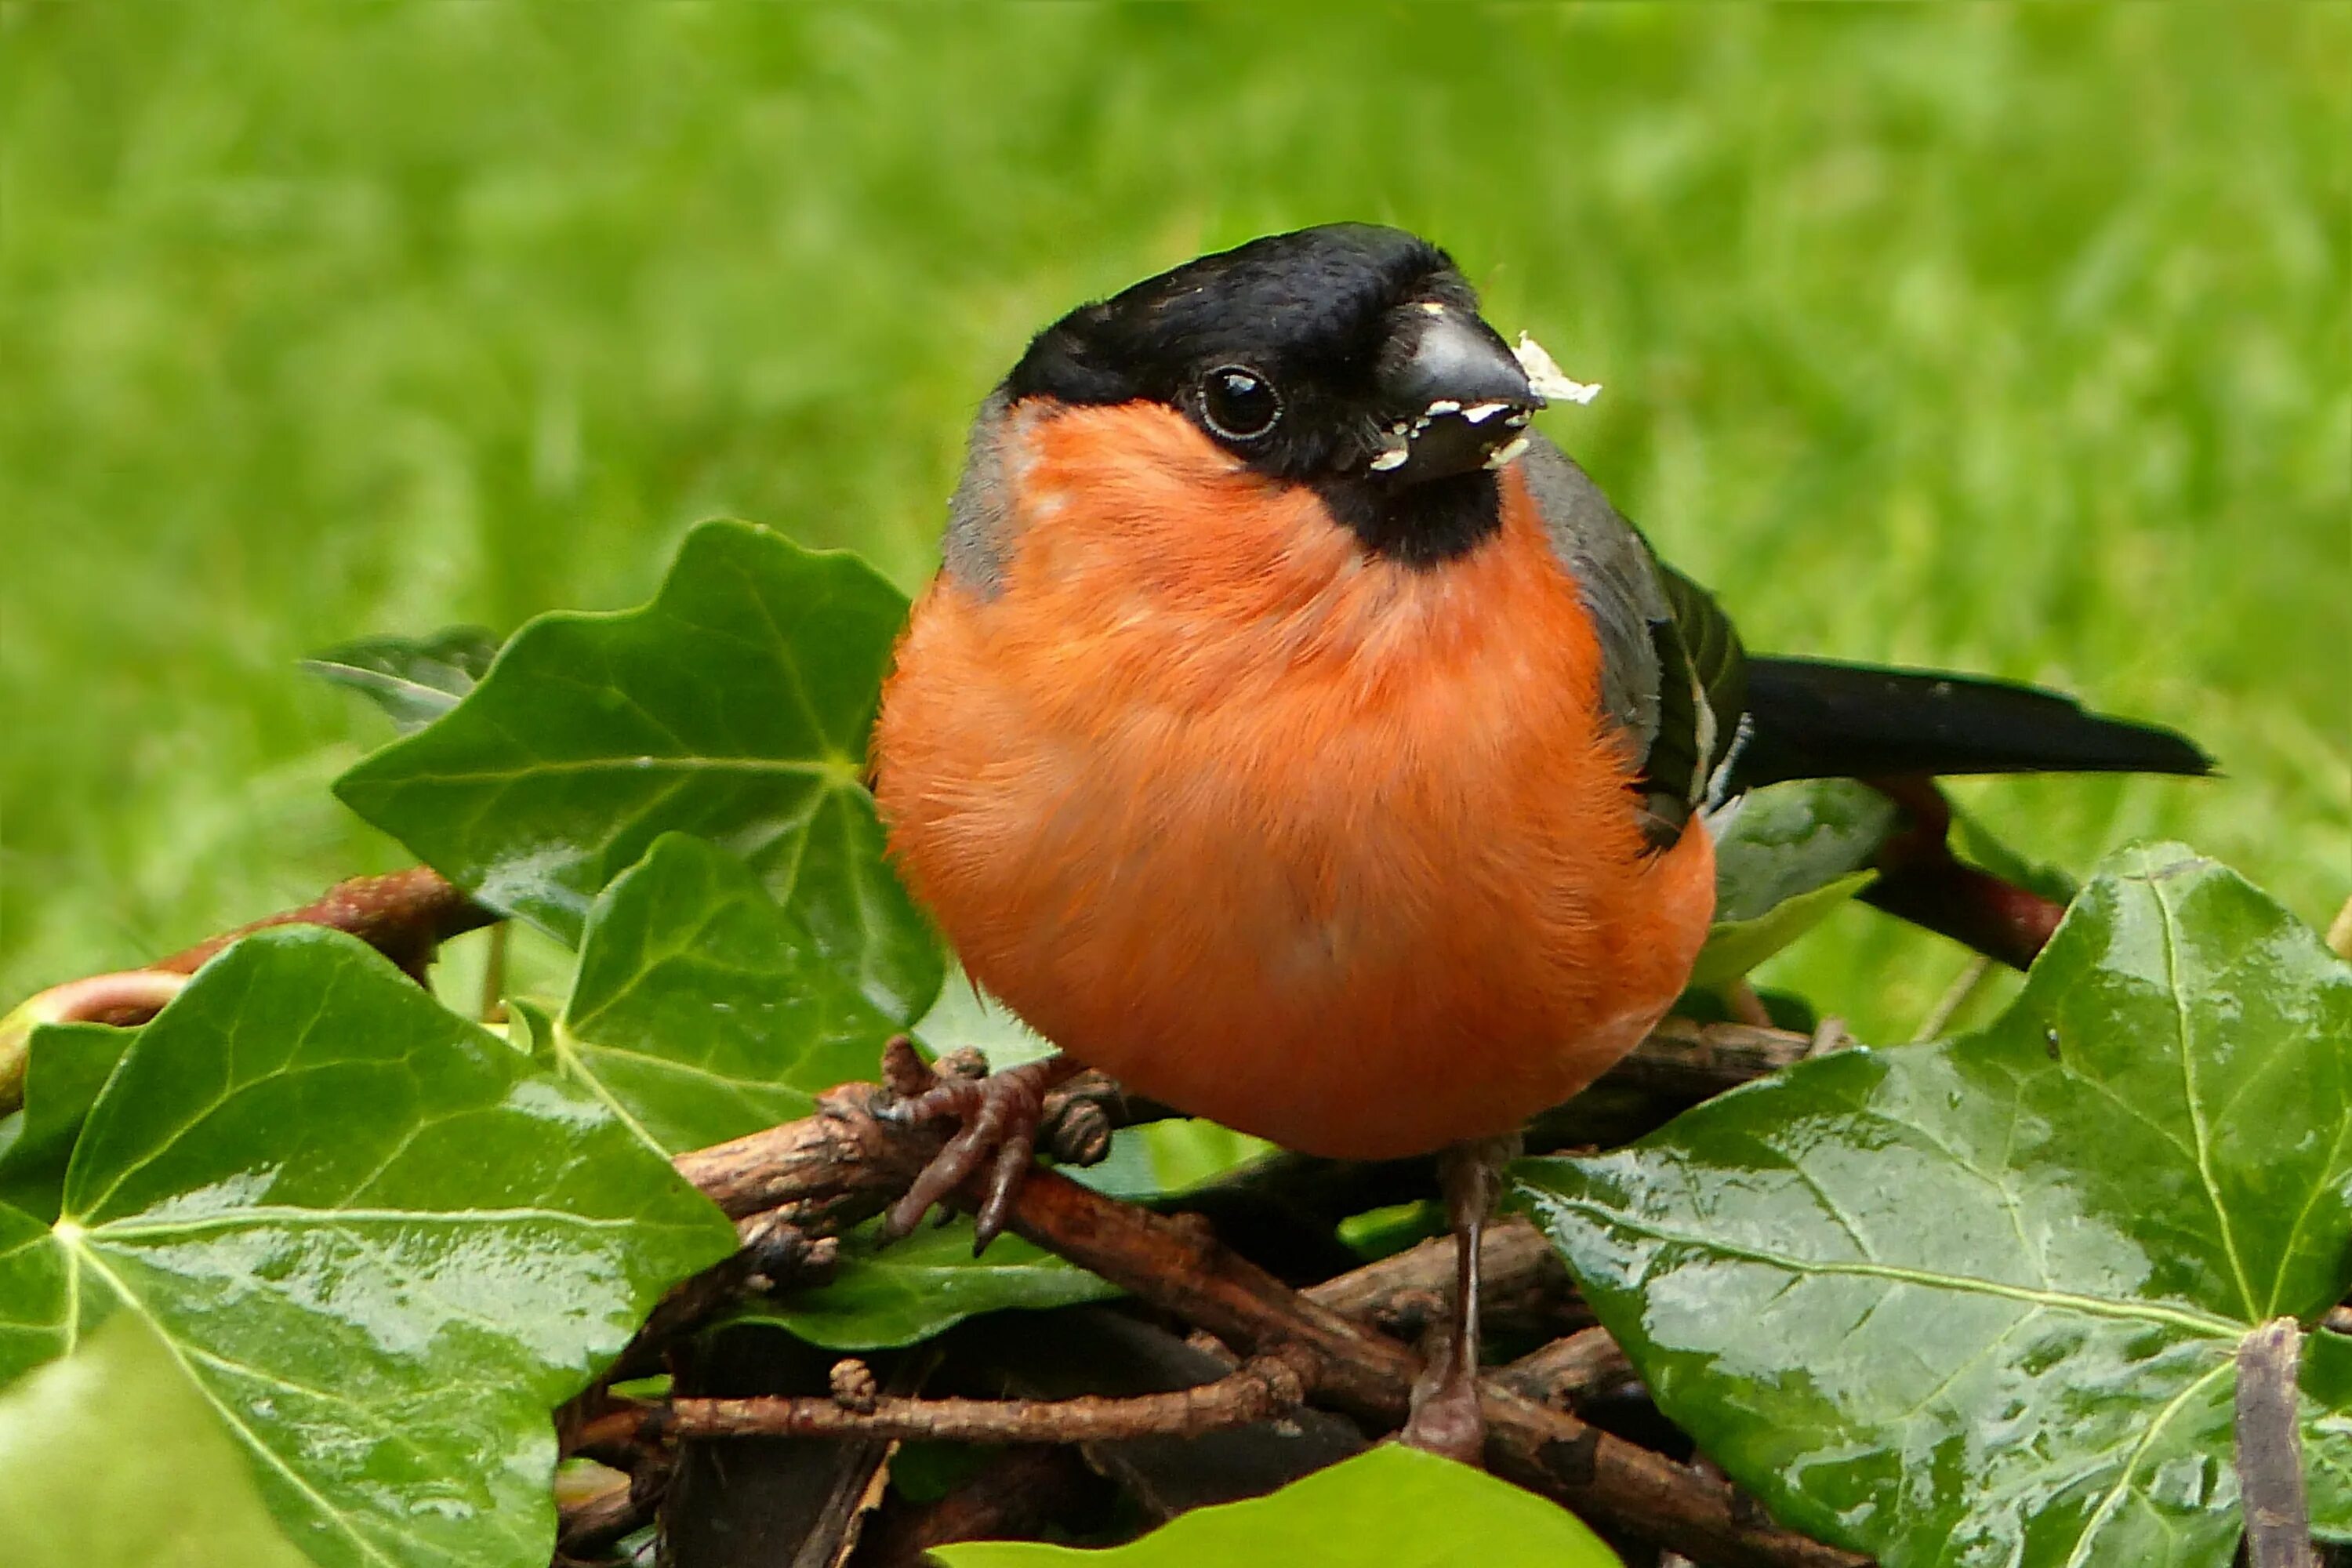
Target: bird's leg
(1446, 1418)
(1000, 1115)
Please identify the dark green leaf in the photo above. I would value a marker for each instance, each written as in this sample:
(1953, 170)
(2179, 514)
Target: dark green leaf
(67, 1065)
(381, 1243)
(703, 1010)
(1980, 1298)
(414, 680)
(913, 1289)
(734, 707)
(112, 1459)
(1389, 1507)
(1790, 854)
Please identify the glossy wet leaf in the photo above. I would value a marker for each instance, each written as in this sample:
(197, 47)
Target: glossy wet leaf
(907, 1292)
(381, 1242)
(414, 679)
(67, 1064)
(734, 707)
(1388, 1507)
(704, 1010)
(1979, 1300)
(1790, 854)
(111, 1458)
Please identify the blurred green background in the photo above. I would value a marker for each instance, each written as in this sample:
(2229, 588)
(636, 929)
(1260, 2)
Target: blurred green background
(2010, 340)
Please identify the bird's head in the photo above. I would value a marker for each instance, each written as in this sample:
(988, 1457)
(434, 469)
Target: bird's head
(1351, 358)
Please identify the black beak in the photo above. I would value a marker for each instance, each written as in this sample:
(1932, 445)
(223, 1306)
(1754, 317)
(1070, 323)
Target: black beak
(1452, 395)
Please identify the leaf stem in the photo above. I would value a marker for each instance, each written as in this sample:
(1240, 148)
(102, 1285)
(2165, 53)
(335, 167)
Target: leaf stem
(2270, 1447)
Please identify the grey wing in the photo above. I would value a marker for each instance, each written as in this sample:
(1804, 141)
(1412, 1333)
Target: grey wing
(979, 514)
(1672, 669)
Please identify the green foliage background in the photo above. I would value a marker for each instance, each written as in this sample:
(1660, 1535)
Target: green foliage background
(2010, 340)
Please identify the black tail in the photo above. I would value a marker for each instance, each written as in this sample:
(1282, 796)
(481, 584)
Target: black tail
(1817, 719)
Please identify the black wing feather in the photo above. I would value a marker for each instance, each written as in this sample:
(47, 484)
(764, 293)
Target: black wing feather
(1820, 719)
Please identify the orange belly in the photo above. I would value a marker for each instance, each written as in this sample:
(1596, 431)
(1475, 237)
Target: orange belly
(1333, 850)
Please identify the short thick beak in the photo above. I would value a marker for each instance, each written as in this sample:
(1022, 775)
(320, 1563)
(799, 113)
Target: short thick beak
(1453, 395)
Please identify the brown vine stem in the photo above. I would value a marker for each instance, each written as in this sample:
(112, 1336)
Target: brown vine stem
(405, 916)
(845, 1162)
(2269, 1447)
(1265, 1386)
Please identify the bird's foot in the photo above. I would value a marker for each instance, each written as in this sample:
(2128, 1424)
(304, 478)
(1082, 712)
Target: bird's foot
(1000, 1114)
(1446, 1418)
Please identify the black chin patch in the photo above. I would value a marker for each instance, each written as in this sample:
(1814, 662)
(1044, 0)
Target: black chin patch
(1419, 525)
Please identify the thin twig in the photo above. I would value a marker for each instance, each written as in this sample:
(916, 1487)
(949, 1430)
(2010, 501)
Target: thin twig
(2270, 1447)
(1263, 1387)
(1956, 996)
(845, 1162)
(848, 1161)
(130, 996)
(1524, 1285)
(405, 916)
(775, 1250)
(1695, 1061)
(1572, 1369)
(1183, 1269)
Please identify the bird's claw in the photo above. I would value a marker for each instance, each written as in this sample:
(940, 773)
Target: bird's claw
(1000, 1114)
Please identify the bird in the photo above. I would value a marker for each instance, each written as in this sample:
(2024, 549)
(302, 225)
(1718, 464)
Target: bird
(1296, 734)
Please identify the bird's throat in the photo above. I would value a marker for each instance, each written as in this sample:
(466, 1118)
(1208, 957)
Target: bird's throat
(1420, 525)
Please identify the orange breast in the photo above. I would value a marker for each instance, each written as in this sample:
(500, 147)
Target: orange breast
(1333, 850)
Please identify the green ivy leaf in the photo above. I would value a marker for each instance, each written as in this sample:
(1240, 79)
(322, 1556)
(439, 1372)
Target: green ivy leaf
(66, 1066)
(703, 1010)
(734, 707)
(111, 1458)
(1790, 854)
(1788, 840)
(911, 1291)
(414, 679)
(1388, 1507)
(35, 1305)
(1981, 1299)
(1735, 947)
(379, 1241)
(2327, 1462)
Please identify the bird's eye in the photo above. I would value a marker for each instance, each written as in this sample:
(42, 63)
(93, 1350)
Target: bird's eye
(1238, 403)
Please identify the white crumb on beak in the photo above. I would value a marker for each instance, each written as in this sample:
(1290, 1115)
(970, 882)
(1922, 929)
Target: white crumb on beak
(1390, 458)
(1546, 376)
(1479, 413)
(1443, 406)
(1506, 451)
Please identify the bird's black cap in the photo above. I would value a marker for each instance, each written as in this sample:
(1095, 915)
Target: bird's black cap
(1350, 357)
